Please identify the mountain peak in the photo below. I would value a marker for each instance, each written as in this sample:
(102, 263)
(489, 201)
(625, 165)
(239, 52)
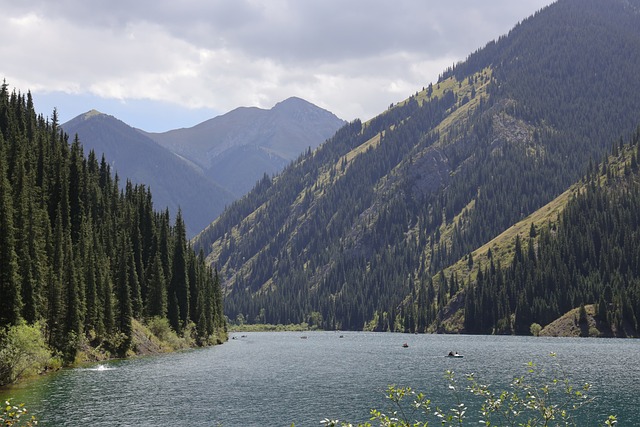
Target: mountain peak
(92, 113)
(294, 104)
(293, 100)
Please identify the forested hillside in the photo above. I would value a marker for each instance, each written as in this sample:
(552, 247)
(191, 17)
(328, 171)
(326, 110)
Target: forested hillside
(357, 233)
(81, 259)
(586, 255)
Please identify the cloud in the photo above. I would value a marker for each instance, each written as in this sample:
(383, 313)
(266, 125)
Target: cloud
(351, 57)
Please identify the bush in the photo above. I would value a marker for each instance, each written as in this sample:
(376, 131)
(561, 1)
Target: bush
(23, 352)
(159, 326)
(535, 329)
(531, 400)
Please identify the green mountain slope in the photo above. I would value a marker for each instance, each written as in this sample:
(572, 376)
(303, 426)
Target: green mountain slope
(353, 234)
(579, 250)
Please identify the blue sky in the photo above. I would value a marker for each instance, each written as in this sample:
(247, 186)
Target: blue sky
(162, 64)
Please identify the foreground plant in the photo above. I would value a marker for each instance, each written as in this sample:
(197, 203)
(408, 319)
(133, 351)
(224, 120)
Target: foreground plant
(23, 352)
(16, 416)
(531, 400)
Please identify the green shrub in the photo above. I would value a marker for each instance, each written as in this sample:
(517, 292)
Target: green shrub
(159, 326)
(535, 329)
(23, 352)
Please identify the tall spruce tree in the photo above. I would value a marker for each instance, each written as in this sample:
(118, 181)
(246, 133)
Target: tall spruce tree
(179, 284)
(157, 290)
(10, 303)
(124, 312)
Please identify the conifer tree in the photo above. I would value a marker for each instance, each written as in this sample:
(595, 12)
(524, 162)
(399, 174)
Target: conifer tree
(157, 293)
(90, 279)
(124, 312)
(22, 223)
(73, 312)
(10, 303)
(108, 316)
(179, 284)
(54, 286)
(76, 188)
(194, 279)
(209, 301)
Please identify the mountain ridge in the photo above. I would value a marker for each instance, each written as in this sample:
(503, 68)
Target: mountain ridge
(181, 180)
(133, 156)
(356, 231)
(265, 139)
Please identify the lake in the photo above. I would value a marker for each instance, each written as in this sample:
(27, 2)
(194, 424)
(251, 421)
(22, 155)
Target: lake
(277, 378)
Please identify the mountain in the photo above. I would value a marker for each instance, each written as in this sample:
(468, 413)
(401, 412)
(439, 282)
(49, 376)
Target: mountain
(362, 233)
(175, 183)
(236, 149)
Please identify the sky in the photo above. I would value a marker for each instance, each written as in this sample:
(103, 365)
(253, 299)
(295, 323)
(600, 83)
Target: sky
(166, 64)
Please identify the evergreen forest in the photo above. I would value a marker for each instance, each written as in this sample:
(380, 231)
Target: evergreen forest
(587, 255)
(82, 257)
(359, 233)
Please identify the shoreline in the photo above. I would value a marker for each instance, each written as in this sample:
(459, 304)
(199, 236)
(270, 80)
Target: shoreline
(144, 344)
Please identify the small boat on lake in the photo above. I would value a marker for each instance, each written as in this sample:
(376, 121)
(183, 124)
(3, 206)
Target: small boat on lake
(405, 345)
(454, 354)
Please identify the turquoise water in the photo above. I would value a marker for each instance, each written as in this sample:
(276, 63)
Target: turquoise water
(275, 379)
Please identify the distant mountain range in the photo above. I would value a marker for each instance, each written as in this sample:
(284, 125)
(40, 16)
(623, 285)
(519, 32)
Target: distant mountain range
(236, 149)
(204, 168)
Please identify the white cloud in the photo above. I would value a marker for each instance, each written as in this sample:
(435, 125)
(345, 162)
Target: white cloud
(352, 57)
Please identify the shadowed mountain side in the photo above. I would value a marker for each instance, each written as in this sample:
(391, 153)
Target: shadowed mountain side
(175, 183)
(238, 148)
(360, 233)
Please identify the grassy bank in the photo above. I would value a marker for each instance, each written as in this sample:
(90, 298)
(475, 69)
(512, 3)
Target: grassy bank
(24, 352)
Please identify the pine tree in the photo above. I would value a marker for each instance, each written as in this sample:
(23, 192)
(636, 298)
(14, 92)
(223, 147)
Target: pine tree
(217, 302)
(22, 204)
(157, 294)
(179, 284)
(422, 307)
(124, 312)
(73, 321)
(10, 303)
(54, 286)
(76, 188)
(108, 316)
(90, 279)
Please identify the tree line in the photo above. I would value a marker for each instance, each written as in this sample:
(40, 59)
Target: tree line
(82, 255)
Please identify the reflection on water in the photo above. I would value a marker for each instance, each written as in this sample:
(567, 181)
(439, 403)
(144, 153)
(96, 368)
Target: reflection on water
(100, 368)
(274, 379)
